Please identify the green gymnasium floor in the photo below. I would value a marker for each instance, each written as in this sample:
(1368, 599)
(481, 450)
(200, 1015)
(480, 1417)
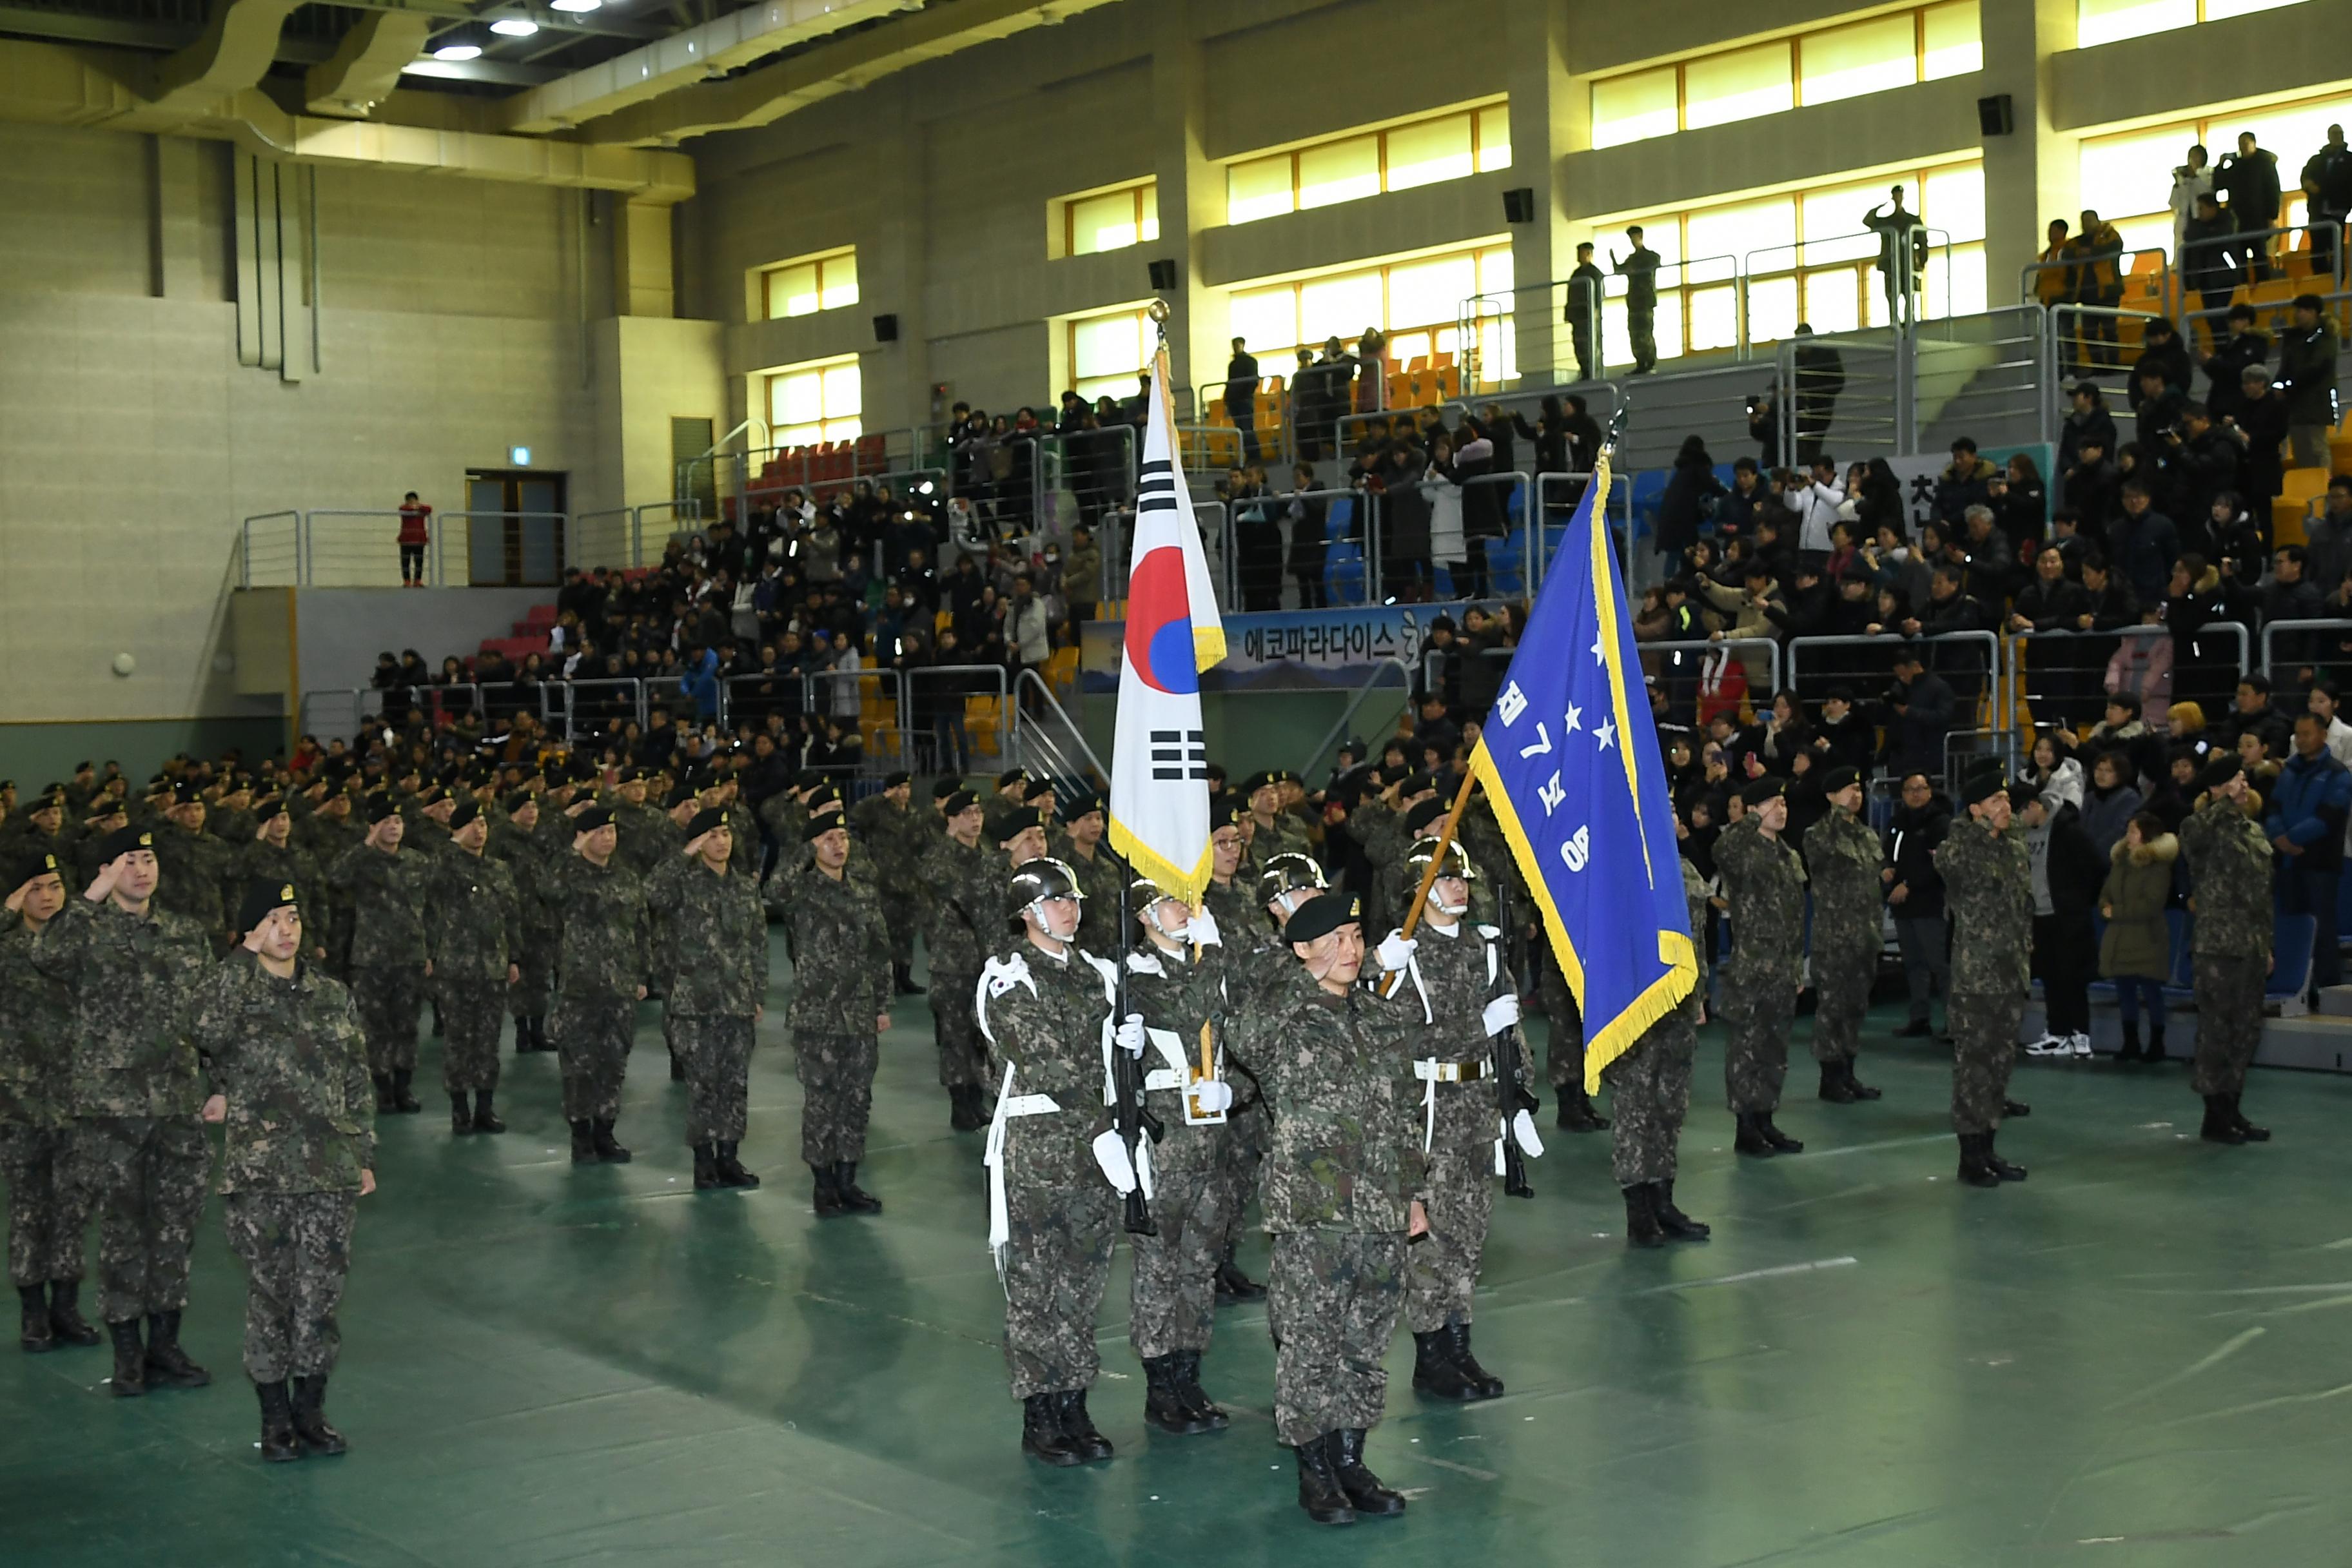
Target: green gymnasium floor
(2136, 1358)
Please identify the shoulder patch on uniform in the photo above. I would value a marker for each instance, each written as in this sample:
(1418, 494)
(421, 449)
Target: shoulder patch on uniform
(1002, 974)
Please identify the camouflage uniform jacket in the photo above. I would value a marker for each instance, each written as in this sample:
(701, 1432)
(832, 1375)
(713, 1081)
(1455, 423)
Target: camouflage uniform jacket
(743, 859)
(195, 869)
(958, 941)
(133, 980)
(1044, 1017)
(1843, 856)
(325, 839)
(893, 842)
(1764, 883)
(233, 826)
(476, 925)
(644, 834)
(606, 943)
(524, 855)
(37, 1023)
(1448, 982)
(718, 936)
(289, 1058)
(784, 815)
(387, 894)
(1989, 889)
(2230, 880)
(1338, 1074)
(1286, 836)
(1181, 995)
(840, 950)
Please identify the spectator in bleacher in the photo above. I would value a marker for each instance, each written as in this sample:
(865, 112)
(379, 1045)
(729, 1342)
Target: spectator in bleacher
(1915, 895)
(2092, 486)
(1304, 509)
(2051, 603)
(2097, 252)
(2261, 424)
(2251, 709)
(2289, 595)
(2307, 375)
(2324, 700)
(2328, 536)
(2136, 948)
(2123, 732)
(2309, 806)
(2210, 264)
(1583, 432)
(1683, 505)
(2249, 178)
(1917, 715)
(2143, 543)
(1241, 398)
(2018, 499)
(2087, 421)
(1992, 563)
(2206, 459)
(2192, 181)
(1812, 497)
(2111, 800)
(416, 533)
(2236, 348)
(2067, 873)
(2327, 197)
(1764, 425)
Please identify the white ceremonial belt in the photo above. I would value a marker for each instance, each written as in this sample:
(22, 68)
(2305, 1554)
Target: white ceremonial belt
(1008, 1106)
(1431, 1070)
(1031, 1105)
(1164, 1078)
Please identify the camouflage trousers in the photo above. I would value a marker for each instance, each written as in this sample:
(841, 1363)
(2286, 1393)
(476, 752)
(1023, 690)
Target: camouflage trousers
(1564, 1058)
(1174, 1296)
(1056, 1262)
(1649, 1096)
(1841, 980)
(472, 1013)
(836, 1074)
(1441, 1268)
(1331, 1302)
(145, 1175)
(2229, 1021)
(898, 916)
(297, 1250)
(1240, 1153)
(528, 998)
(955, 1027)
(717, 1055)
(1984, 1048)
(591, 1049)
(1757, 1013)
(48, 1211)
(387, 999)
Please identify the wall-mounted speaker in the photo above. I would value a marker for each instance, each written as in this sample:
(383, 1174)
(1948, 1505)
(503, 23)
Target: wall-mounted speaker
(1519, 205)
(1163, 274)
(886, 329)
(1994, 115)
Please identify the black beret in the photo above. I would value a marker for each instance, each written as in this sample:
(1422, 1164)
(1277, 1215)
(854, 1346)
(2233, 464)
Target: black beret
(590, 820)
(1039, 789)
(1258, 781)
(945, 787)
(895, 777)
(185, 791)
(959, 802)
(824, 799)
(380, 806)
(263, 895)
(1415, 783)
(25, 868)
(2023, 795)
(1837, 779)
(808, 778)
(684, 795)
(1755, 792)
(1423, 815)
(1089, 802)
(1013, 821)
(817, 827)
(1983, 780)
(1012, 777)
(706, 822)
(267, 809)
(1323, 914)
(467, 811)
(2224, 767)
(517, 801)
(123, 841)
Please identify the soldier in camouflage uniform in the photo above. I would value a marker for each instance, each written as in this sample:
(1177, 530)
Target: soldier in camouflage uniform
(1466, 993)
(1988, 889)
(1341, 1195)
(514, 843)
(2230, 883)
(1386, 827)
(1045, 1008)
(1177, 971)
(385, 876)
(957, 942)
(1231, 899)
(47, 1211)
(710, 905)
(604, 954)
(1765, 882)
(1080, 846)
(288, 1061)
(1649, 1088)
(1273, 830)
(270, 856)
(234, 821)
(138, 1150)
(472, 941)
(839, 942)
(786, 811)
(326, 835)
(893, 840)
(193, 866)
(1843, 859)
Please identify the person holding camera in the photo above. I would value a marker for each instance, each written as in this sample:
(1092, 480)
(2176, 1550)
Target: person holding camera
(2249, 178)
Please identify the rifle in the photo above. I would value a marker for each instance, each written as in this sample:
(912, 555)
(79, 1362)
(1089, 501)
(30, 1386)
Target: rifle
(1133, 1121)
(1510, 1056)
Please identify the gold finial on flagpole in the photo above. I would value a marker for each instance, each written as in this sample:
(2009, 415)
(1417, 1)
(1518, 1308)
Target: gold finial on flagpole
(1158, 312)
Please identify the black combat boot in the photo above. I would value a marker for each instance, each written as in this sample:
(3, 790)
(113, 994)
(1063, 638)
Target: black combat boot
(1163, 1401)
(130, 1361)
(1041, 1433)
(1834, 1088)
(1197, 1403)
(168, 1365)
(311, 1416)
(1078, 1427)
(1974, 1170)
(65, 1314)
(584, 1143)
(706, 1168)
(608, 1148)
(855, 1198)
(2155, 1043)
(2246, 1130)
(1457, 1345)
(1750, 1139)
(1233, 1285)
(403, 1101)
(1781, 1142)
(437, 1020)
(1318, 1489)
(959, 1108)
(1994, 1162)
(2130, 1051)
(279, 1446)
(382, 1081)
(827, 1196)
(1678, 1225)
(36, 1335)
(1365, 1493)
(730, 1169)
(676, 1068)
(539, 1033)
(2219, 1126)
(2011, 1110)
(902, 980)
(1642, 1227)
(1575, 1113)
(1853, 1085)
(1433, 1372)
(486, 1115)
(461, 1112)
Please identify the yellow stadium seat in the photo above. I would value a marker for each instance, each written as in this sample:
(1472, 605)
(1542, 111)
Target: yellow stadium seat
(980, 717)
(1062, 669)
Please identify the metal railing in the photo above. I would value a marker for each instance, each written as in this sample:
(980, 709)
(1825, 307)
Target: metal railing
(1993, 376)
(2061, 689)
(1861, 385)
(1970, 663)
(939, 700)
(1046, 738)
(336, 713)
(1673, 661)
(341, 547)
(2317, 630)
(2054, 283)
(1338, 730)
(481, 548)
(346, 555)
(270, 551)
(568, 705)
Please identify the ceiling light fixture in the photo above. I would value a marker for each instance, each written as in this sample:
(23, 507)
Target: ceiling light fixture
(514, 27)
(459, 52)
(574, 4)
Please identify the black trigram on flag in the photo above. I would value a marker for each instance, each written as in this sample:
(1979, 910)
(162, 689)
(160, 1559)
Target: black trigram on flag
(1173, 752)
(1155, 487)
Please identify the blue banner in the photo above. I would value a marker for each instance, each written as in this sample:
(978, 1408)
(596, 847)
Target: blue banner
(1272, 649)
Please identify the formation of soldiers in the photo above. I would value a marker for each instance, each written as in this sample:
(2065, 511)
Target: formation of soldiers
(259, 951)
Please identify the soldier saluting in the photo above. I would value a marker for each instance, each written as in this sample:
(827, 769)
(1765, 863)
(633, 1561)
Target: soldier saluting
(957, 942)
(288, 1063)
(2229, 877)
(385, 882)
(48, 1211)
(709, 908)
(894, 840)
(1764, 883)
(1843, 856)
(472, 942)
(1988, 876)
(605, 952)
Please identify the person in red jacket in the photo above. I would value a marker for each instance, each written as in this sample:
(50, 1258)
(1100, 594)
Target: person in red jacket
(414, 535)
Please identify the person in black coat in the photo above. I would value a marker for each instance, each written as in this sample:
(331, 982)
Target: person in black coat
(2089, 421)
(1917, 714)
(1843, 737)
(1915, 894)
(2241, 350)
(1305, 512)
(1682, 506)
(2051, 603)
(2071, 873)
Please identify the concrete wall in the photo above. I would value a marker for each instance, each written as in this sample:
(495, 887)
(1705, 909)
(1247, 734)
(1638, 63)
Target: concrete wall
(338, 631)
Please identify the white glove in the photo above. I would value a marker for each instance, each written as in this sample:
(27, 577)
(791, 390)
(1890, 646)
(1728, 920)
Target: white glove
(1501, 1014)
(1203, 929)
(1523, 1129)
(1213, 1095)
(1130, 1035)
(1395, 949)
(1110, 1154)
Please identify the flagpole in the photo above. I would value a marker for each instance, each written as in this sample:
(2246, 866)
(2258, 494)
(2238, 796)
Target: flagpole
(1429, 873)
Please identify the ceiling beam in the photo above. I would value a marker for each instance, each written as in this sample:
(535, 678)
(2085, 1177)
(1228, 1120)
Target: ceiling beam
(366, 65)
(508, 73)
